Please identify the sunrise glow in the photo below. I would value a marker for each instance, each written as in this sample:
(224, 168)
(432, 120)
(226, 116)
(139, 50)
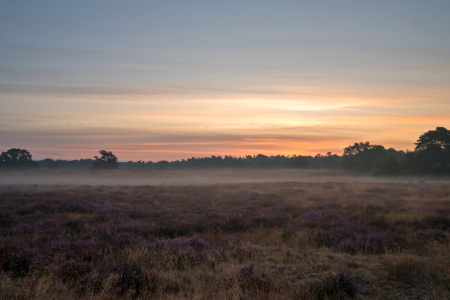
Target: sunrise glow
(161, 81)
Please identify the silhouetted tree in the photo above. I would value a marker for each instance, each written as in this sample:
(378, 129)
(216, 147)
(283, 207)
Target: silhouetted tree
(410, 164)
(107, 161)
(436, 169)
(50, 164)
(432, 147)
(300, 162)
(329, 161)
(362, 156)
(446, 170)
(387, 166)
(434, 140)
(399, 155)
(16, 158)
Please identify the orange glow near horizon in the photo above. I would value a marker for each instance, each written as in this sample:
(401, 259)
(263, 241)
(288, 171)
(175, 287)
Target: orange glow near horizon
(179, 134)
(184, 150)
(156, 130)
(291, 120)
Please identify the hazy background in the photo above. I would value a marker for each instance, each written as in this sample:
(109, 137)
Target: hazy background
(195, 178)
(168, 80)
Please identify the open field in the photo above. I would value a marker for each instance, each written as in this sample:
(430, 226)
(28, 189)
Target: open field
(323, 237)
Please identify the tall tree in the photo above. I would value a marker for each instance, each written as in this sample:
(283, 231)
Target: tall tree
(107, 161)
(434, 140)
(432, 150)
(362, 156)
(16, 158)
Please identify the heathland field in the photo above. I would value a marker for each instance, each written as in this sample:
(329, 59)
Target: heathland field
(254, 240)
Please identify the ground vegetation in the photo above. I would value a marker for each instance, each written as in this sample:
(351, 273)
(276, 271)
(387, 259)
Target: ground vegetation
(286, 240)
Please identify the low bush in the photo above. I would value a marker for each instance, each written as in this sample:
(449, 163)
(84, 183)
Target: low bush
(337, 285)
(254, 284)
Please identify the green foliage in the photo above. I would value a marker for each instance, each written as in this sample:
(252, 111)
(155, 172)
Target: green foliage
(387, 166)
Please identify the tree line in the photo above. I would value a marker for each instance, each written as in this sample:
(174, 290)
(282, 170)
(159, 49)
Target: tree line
(430, 156)
(260, 161)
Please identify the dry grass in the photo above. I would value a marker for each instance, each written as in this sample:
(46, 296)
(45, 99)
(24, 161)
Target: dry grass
(404, 267)
(440, 266)
(391, 238)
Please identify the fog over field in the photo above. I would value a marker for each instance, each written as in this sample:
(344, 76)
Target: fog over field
(182, 178)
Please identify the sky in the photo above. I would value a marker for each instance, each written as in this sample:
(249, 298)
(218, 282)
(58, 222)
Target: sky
(167, 80)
